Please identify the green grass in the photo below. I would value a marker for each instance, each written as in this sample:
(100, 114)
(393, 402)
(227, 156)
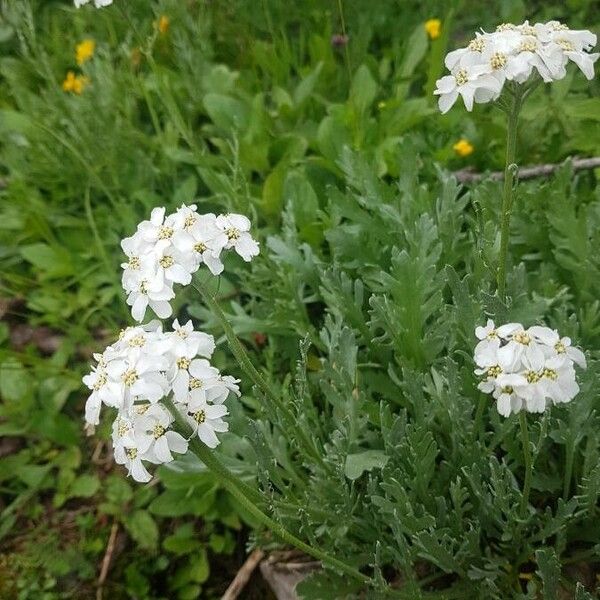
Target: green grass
(375, 268)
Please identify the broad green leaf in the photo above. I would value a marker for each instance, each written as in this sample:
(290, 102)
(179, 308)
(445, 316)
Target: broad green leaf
(142, 528)
(363, 89)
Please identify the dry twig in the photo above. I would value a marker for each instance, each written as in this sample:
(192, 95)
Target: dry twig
(110, 548)
(243, 575)
(578, 164)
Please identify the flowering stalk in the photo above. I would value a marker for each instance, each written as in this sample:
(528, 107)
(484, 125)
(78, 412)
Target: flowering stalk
(527, 457)
(510, 171)
(247, 497)
(246, 364)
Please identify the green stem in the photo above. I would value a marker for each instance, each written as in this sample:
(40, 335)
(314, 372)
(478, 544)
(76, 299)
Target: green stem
(568, 469)
(527, 457)
(247, 497)
(478, 421)
(510, 170)
(246, 364)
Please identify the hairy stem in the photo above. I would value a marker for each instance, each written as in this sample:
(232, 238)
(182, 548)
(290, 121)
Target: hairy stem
(510, 171)
(247, 497)
(527, 458)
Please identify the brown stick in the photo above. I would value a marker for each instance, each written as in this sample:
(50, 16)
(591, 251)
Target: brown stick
(110, 548)
(243, 575)
(578, 164)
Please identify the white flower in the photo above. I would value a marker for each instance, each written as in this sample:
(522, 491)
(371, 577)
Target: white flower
(206, 421)
(474, 84)
(171, 265)
(97, 3)
(199, 236)
(125, 449)
(526, 369)
(154, 439)
(145, 290)
(236, 228)
(184, 341)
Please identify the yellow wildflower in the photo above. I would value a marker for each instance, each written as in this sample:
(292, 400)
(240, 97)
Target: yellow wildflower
(136, 57)
(463, 147)
(84, 51)
(74, 83)
(163, 24)
(433, 28)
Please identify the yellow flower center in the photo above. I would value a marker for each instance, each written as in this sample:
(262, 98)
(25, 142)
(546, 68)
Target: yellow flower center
(498, 60)
(528, 46)
(100, 381)
(143, 287)
(195, 383)
(166, 261)
(157, 431)
(522, 338)
(566, 45)
(141, 409)
(189, 221)
(122, 428)
(494, 372)
(200, 247)
(528, 30)
(131, 453)
(560, 348)
(137, 342)
(183, 362)
(461, 77)
(532, 377)
(507, 389)
(550, 374)
(165, 233)
(505, 27)
(199, 417)
(233, 233)
(129, 377)
(476, 45)
(134, 263)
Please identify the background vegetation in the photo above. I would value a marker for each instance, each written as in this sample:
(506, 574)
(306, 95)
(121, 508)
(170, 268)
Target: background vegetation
(375, 262)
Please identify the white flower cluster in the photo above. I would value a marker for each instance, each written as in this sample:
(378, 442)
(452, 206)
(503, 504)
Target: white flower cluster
(144, 366)
(97, 3)
(168, 249)
(513, 52)
(526, 369)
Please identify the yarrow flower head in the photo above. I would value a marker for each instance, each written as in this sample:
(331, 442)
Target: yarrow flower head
(144, 366)
(168, 249)
(515, 53)
(526, 369)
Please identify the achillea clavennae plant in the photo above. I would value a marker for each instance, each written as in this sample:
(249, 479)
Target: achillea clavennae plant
(526, 369)
(513, 60)
(513, 53)
(167, 396)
